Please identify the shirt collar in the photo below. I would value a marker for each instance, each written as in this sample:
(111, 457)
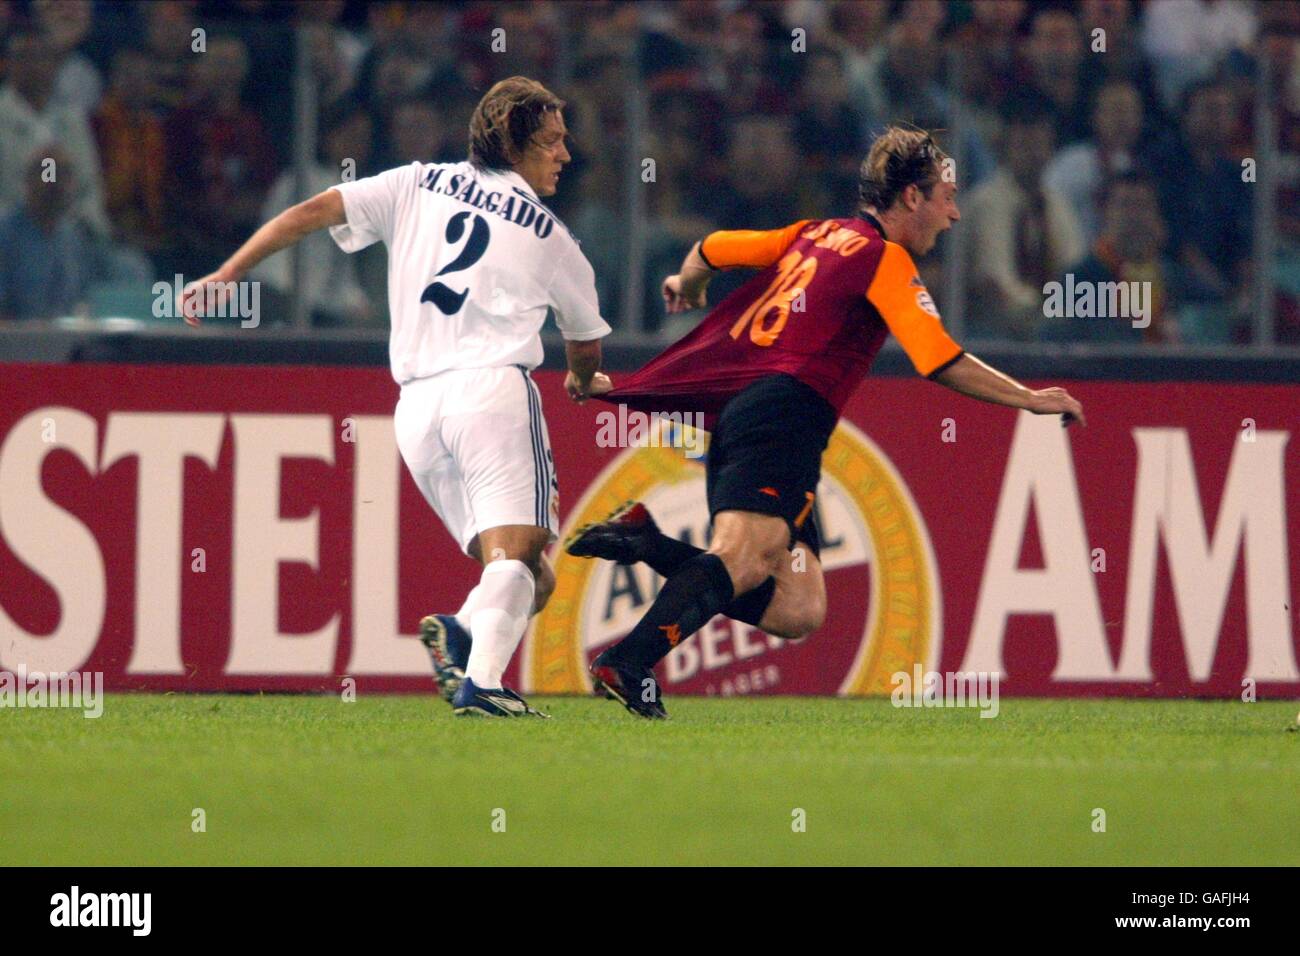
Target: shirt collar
(874, 222)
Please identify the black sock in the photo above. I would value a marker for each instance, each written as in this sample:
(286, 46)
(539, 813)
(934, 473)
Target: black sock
(665, 555)
(700, 589)
(751, 605)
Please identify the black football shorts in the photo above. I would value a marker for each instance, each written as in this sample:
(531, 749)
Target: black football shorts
(765, 454)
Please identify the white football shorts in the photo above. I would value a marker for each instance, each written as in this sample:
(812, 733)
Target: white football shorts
(475, 442)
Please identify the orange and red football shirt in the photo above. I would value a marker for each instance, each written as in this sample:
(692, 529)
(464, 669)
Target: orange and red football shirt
(829, 292)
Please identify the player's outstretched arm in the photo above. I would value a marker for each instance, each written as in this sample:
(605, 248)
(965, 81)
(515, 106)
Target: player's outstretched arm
(972, 377)
(688, 289)
(728, 249)
(322, 210)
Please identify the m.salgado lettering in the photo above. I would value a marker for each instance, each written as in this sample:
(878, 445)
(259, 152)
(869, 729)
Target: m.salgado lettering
(515, 207)
(75, 908)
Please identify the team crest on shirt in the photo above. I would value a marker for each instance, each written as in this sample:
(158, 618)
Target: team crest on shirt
(884, 612)
(926, 304)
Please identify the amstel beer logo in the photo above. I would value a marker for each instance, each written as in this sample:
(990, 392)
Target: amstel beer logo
(882, 585)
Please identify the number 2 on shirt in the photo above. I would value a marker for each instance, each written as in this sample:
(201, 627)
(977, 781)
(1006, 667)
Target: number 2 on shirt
(443, 297)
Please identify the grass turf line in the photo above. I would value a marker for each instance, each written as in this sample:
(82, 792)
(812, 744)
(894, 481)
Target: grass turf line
(396, 780)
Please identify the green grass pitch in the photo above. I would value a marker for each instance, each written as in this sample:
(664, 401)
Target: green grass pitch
(398, 780)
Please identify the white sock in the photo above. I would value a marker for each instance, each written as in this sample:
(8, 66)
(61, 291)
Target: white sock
(467, 609)
(498, 620)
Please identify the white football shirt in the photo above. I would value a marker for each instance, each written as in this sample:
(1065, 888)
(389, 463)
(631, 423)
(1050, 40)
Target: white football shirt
(474, 261)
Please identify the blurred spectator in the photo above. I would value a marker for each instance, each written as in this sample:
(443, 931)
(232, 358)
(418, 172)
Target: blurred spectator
(383, 24)
(168, 26)
(132, 140)
(418, 130)
(605, 27)
(812, 16)
(398, 74)
(1117, 146)
(221, 158)
(345, 49)
(65, 24)
(987, 44)
(1130, 249)
(596, 104)
(1186, 40)
(415, 52)
(530, 38)
(746, 72)
(905, 82)
(763, 168)
(1121, 58)
(673, 50)
(1052, 64)
(765, 186)
(673, 222)
(827, 128)
(689, 150)
(858, 30)
(1204, 197)
(725, 49)
(329, 279)
(1022, 234)
(1280, 55)
(51, 260)
(598, 223)
(907, 85)
(335, 57)
(744, 131)
(984, 51)
(32, 119)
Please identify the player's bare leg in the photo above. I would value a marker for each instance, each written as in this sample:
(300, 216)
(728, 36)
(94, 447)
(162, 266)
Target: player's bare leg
(743, 554)
(750, 545)
(545, 584)
(798, 604)
(792, 606)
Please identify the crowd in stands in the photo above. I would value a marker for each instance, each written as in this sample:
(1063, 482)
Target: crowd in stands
(1113, 140)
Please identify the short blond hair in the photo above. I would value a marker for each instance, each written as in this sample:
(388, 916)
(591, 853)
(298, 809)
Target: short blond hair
(901, 156)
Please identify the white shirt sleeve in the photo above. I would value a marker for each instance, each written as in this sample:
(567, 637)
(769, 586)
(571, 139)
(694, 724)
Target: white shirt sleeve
(370, 205)
(573, 297)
